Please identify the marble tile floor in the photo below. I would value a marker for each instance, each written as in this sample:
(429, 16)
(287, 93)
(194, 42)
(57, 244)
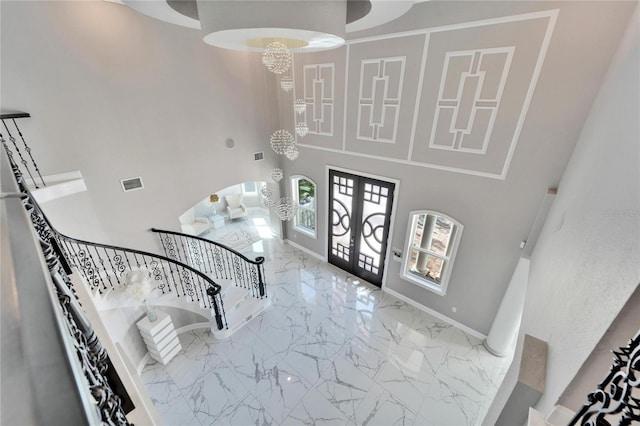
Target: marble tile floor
(330, 350)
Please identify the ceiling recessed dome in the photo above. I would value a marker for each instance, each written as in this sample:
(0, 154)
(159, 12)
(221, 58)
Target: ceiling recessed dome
(302, 25)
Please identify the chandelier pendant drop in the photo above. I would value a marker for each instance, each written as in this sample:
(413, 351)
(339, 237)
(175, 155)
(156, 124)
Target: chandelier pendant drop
(292, 154)
(302, 129)
(286, 83)
(277, 174)
(286, 209)
(276, 57)
(300, 106)
(282, 141)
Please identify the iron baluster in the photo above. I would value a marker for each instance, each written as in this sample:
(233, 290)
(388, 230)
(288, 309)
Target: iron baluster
(22, 160)
(28, 149)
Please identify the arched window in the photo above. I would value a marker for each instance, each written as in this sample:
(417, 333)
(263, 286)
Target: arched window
(432, 242)
(304, 195)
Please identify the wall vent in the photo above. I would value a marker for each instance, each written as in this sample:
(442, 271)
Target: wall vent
(258, 156)
(131, 184)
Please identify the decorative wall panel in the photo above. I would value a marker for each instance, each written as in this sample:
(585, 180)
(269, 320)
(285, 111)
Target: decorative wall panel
(470, 116)
(381, 95)
(379, 99)
(470, 92)
(452, 98)
(319, 80)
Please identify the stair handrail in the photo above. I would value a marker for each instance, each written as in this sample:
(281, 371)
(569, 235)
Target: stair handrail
(206, 292)
(249, 275)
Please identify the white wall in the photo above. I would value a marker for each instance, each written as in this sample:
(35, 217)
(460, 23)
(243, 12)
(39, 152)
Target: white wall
(116, 94)
(585, 265)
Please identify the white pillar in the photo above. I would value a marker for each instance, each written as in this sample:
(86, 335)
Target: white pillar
(506, 324)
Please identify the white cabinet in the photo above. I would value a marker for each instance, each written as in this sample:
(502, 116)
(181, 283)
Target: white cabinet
(160, 337)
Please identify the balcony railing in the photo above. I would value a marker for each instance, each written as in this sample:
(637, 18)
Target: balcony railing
(55, 371)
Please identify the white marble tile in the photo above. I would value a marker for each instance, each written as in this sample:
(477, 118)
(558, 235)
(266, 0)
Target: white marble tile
(405, 382)
(380, 408)
(198, 359)
(444, 405)
(163, 392)
(344, 386)
(419, 351)
(313, 352)
(248, 411)
(314, 409)
(279, 330)
(363, 355)
(210, 396)
(281, 389)
(469, 366)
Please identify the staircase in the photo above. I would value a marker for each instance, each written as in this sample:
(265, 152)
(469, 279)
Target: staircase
(243, 289)
(214, 280)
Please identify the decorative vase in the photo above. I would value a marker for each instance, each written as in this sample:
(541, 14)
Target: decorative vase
(151, 312)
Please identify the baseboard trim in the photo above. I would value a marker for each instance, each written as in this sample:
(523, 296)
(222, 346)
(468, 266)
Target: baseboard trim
(145, 359)
(435, 313)
(306, 250)
(194, 326)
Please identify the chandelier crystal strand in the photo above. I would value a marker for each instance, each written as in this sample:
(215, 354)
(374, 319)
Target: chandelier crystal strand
(286, 209)
(276, 57)
(302, 129)
(281, 141)
(277, 175)
(300, 106)
(286, 83)
(266, 192)
(292, 154)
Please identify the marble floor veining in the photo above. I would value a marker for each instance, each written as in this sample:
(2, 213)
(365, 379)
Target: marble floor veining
(331, 350)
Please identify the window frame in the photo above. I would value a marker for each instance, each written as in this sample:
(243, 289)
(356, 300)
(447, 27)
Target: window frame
(250, 193)
(454, 243)
(313, 233)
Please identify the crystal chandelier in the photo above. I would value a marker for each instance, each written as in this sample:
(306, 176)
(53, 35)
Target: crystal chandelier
(286, 209)
(277, 174)
(302, 129)
(266, 192)
(281, 141)
(286, 83)
(300, 106)
(276, 57)
(292, 154)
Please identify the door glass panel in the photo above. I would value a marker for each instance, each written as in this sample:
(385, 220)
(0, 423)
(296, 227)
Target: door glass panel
(342, 205)
(372, 229)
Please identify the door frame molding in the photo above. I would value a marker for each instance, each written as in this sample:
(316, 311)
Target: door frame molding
(392, 220)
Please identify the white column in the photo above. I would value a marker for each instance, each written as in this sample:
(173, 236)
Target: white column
(504, 330)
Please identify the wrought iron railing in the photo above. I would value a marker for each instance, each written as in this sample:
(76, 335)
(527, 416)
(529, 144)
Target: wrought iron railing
(215, 259)
(617, 399)
(105, 267)
(66, 375)
(27, 164)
